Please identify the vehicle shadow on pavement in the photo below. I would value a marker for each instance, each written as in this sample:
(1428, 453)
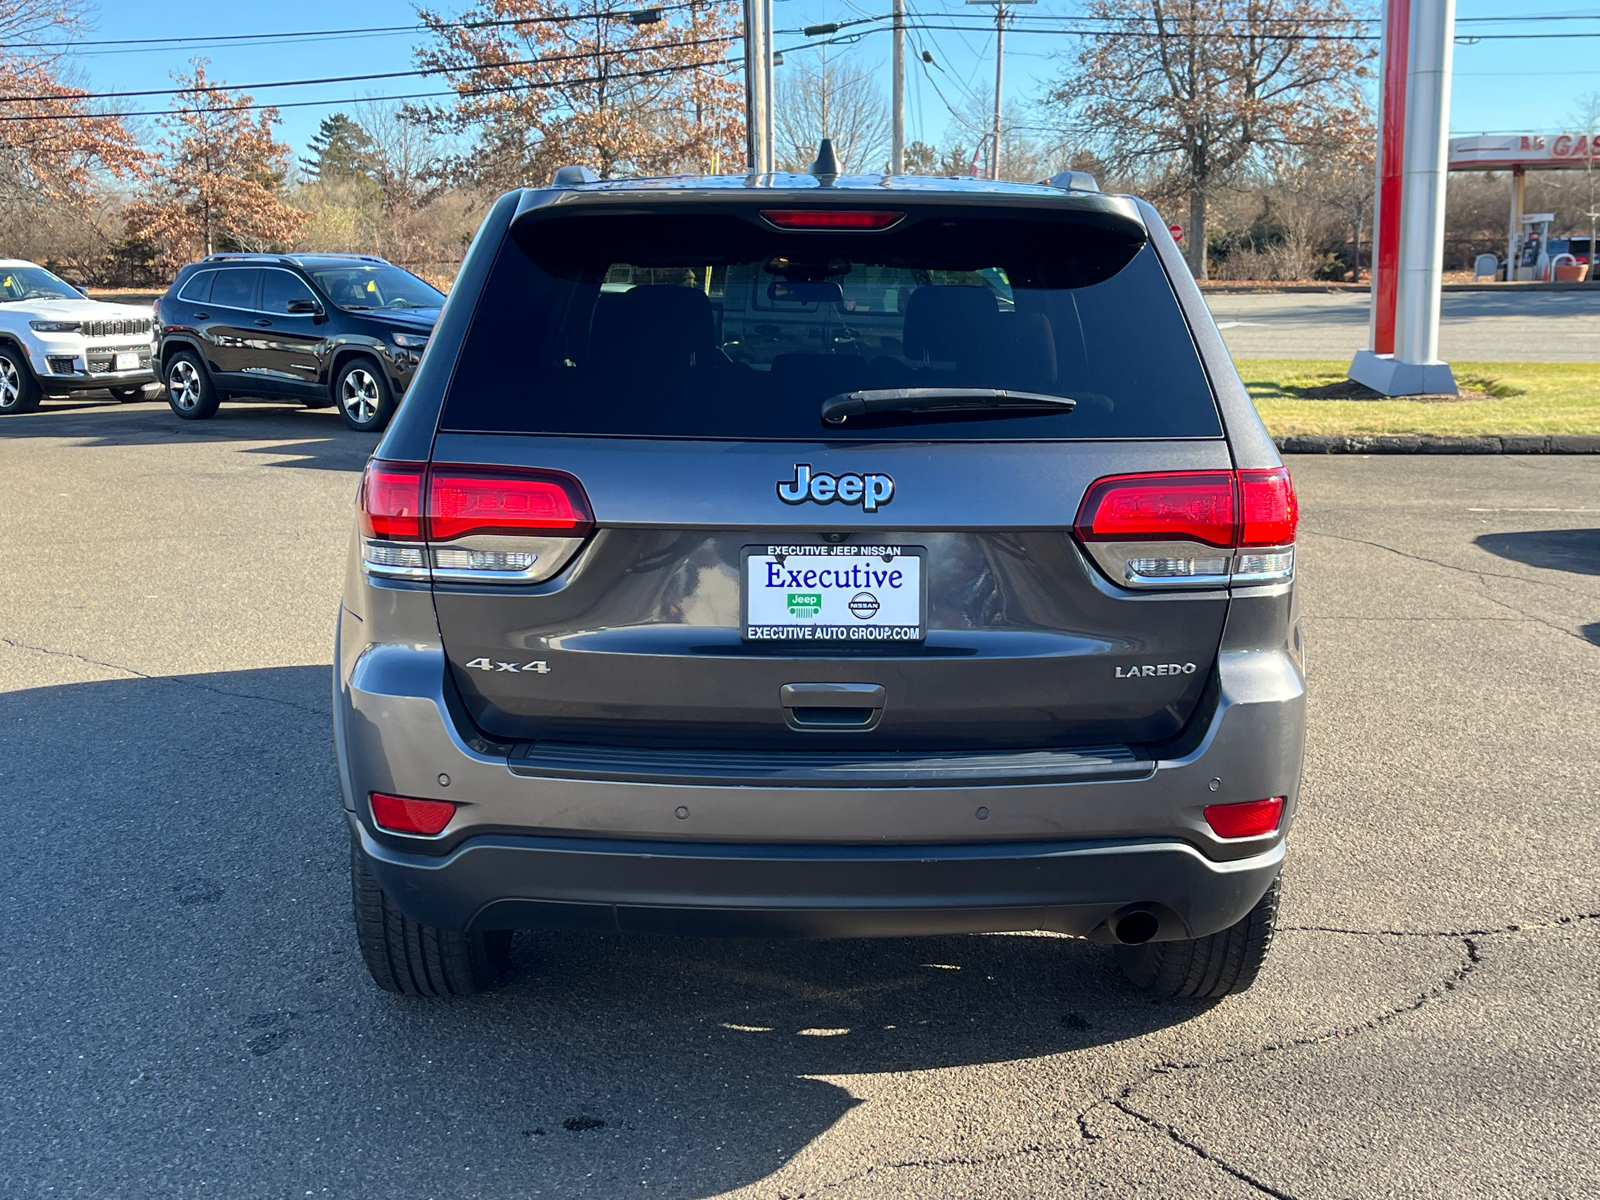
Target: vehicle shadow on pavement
(182, 962)
(317, 437)
(1573, 550)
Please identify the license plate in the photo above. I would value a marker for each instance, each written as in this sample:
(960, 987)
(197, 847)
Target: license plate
(127, 362)
(835, 594)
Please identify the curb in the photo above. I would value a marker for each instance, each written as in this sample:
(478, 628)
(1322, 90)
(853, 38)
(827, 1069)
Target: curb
(1411, 443)
(1334, 287)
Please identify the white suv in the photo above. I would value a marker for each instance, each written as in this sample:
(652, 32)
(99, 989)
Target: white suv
(54, 340)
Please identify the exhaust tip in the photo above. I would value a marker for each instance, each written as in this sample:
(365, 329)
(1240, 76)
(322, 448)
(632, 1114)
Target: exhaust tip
(1135, 928)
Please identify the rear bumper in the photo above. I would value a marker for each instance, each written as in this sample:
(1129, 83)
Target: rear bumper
(544, 849)
(609, 884)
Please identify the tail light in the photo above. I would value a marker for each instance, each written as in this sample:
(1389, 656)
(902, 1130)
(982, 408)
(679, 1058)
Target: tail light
(1191, 528)
(1252, 818)
(469, 524)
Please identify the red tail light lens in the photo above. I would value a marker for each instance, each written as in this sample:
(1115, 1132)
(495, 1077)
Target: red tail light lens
(1269, 511)
(402, 814)
(391, 501)
(1189, 506)
(464, 500)
(1249, 819)
(824, 218)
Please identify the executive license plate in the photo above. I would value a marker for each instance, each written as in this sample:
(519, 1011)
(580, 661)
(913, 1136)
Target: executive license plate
(127, 362)
(833, 594)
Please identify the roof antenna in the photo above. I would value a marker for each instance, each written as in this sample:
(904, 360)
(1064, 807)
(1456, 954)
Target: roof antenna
(826, 168)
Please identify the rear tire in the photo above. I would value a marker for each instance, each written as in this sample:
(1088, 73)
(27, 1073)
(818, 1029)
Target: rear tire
(418, 960)
(361, 389)
(190, 391)
(127, 395)
(19, 391)
(1223, 964)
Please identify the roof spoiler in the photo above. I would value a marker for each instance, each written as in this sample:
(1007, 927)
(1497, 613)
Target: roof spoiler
(1074, 181)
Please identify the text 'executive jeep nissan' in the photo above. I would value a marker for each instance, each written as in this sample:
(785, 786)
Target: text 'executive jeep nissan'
(819, 556)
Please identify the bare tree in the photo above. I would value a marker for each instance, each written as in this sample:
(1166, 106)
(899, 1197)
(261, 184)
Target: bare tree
(835, 98)
(1022, 157)
(543, 83)
(1199, 87)
(1587, 114)
(407, 157)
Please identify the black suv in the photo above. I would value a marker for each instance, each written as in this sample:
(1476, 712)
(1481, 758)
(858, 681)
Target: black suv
(323, 329)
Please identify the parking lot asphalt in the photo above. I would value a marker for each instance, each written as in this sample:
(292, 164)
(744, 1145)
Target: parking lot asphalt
(1482, 326)
(185, 1014)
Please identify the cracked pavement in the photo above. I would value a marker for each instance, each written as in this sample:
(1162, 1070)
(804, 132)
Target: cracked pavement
(186, 1015)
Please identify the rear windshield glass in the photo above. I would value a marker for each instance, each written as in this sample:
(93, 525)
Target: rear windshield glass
(719, 328)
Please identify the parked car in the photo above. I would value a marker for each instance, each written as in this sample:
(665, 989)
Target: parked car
(55, 341)
(821, 557)
(323, 329)
(1578, 247)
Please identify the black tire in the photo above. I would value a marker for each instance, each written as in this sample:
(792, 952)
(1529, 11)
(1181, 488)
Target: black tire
(19, 390)
(127, 395)
(418, 960)
(1210, 967)
(361, 390)
(190, 392)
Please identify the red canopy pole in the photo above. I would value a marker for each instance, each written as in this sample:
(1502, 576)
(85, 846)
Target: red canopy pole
(1391, 169)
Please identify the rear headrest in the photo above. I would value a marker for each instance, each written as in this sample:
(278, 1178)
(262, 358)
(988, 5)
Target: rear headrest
(945, 323)
(655, 324)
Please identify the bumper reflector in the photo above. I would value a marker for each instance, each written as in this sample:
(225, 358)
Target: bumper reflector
(402, 814)
(1249, 819)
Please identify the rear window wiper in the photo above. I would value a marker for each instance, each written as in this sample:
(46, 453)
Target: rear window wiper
(836, 410)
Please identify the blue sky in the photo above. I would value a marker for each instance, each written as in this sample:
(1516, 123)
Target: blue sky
(1501, 85)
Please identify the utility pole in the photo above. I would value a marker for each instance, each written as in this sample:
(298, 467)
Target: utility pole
(1000, 7)
(758, 85)
(897, 154)
(770, 145)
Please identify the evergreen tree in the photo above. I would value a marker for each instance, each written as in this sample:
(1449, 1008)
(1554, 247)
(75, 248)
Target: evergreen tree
(341, 149)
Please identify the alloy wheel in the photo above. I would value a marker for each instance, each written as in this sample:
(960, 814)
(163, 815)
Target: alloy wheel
(359, 396)
(10, 383)
(183, 382)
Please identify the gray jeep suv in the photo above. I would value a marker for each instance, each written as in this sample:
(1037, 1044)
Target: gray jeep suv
(821, 556)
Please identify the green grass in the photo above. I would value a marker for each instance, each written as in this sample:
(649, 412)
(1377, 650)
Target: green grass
(1522, 398)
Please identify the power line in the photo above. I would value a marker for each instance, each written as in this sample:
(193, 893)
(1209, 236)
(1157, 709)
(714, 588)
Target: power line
(220, 38)
(256, 87)
(540, 85)
(304, 34)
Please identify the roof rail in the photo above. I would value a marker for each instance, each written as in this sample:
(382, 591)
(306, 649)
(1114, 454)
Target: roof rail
(573, 176)
(1074, 181)
(258, 256)
(342, 254)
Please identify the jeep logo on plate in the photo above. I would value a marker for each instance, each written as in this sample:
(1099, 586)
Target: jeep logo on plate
(869, 491)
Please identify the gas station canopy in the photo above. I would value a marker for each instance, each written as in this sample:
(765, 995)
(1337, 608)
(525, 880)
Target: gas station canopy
(1526, 236)
(1523, 152)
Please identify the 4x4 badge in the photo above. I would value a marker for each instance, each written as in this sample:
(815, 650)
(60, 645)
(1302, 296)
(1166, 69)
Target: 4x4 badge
(489, 664)
(869, 491)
